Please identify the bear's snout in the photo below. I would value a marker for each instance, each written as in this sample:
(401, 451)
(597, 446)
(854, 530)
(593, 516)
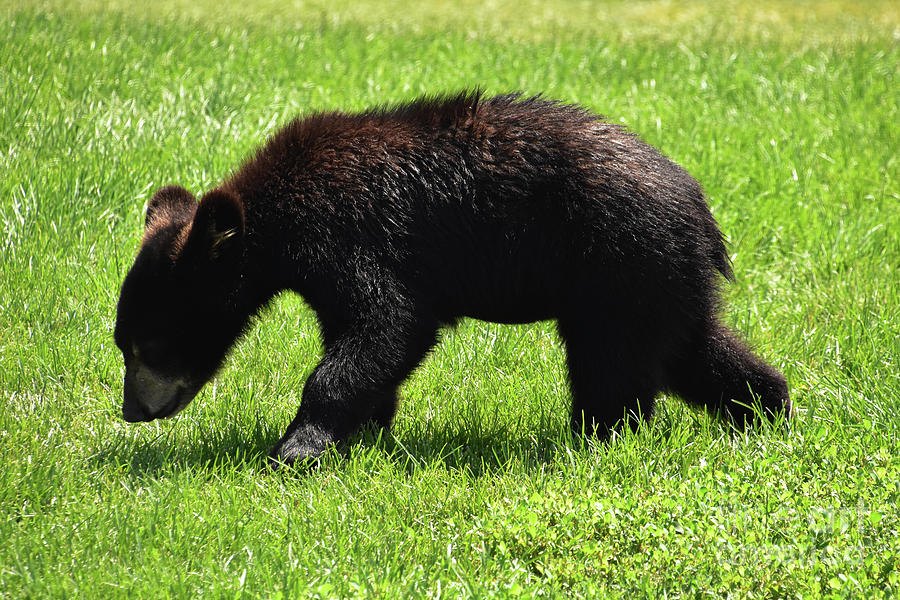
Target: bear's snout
(150, 395)
(133, 412)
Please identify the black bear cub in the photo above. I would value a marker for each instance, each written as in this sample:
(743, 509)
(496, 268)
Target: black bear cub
(398, 221)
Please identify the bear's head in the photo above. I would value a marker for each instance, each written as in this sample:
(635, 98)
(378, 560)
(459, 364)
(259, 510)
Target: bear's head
(178, 309)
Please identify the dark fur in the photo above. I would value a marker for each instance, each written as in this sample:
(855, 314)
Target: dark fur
(396, 222)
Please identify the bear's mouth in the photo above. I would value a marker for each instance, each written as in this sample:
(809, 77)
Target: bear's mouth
(150, 395)
(134, 412)
(175, 406)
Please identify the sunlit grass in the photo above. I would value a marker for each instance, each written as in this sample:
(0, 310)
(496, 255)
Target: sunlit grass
(791, 126)
(803, 21)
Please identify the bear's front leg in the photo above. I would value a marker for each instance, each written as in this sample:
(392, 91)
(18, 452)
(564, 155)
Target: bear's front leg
(332, 410)
(355, 383)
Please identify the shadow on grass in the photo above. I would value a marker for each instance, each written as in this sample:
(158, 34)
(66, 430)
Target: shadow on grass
(478, 452)
(235, 448)
(243, 448)
(474, 449)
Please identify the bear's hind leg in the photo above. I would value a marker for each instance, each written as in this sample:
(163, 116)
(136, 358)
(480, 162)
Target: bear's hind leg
(719, 373)
(612, 386)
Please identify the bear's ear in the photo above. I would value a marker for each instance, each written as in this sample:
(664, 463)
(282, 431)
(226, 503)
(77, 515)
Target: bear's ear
(218, 228)
(170, 202)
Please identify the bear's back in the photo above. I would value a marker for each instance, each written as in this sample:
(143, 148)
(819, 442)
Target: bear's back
(525, 196)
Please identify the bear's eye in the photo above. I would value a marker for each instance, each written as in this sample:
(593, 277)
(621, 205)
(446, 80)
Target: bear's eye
(151, 353)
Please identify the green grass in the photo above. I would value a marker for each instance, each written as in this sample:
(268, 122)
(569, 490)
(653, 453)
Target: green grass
(788, 114)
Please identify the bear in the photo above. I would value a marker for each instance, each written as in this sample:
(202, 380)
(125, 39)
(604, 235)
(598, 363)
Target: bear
(395, 222)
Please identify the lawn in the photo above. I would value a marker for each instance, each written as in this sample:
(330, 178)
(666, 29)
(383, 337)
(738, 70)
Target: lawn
(786, 112)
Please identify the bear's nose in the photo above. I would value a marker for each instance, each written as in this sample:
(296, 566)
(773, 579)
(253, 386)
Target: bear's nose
(134, 413)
